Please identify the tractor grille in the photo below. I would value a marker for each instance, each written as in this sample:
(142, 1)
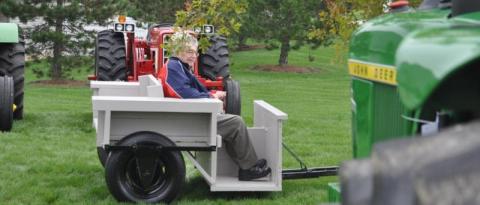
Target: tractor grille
(388, 111)
(376, 115)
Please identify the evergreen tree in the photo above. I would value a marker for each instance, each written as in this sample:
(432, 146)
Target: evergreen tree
(3, 18)
(62, 29)
(151, 11)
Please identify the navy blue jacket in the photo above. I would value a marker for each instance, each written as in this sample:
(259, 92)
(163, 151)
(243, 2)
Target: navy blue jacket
(181, 82)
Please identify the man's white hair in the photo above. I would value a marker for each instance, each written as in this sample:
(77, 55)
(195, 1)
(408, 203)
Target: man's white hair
(182, 40)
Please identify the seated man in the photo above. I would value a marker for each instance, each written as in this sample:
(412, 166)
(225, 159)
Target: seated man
(179, 82)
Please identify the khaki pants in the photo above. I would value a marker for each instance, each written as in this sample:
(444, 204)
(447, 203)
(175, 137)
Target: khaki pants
(237, 142)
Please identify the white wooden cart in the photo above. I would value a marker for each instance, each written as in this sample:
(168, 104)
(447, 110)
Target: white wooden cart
(121, 110)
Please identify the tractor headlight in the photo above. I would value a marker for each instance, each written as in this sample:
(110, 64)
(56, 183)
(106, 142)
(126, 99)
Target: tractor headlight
(118, 27)
(197, 29)
(129, 27)
(208, 29)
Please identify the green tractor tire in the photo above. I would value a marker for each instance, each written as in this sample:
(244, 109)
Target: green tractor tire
(6, 103)
(12, 63)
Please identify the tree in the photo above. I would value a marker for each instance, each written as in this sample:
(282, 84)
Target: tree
(285, 21)
(62, 30)
(342, 17)
(247, 30)
(223, 14)
(3, 18)
(151, 11)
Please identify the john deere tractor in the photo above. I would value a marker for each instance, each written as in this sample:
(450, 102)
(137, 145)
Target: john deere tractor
(415, 92)
(12, 63)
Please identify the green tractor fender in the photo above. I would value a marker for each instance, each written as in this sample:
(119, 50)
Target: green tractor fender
(432, 62)
(9, 33)
(377, 40)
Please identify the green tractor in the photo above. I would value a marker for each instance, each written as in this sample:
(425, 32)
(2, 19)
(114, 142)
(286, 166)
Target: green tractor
(415, 93)
(12, 65)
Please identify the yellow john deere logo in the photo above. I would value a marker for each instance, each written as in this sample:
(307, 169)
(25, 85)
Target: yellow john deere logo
(370, 71)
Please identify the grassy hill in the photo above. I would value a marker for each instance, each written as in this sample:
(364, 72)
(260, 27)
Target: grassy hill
(50, 156)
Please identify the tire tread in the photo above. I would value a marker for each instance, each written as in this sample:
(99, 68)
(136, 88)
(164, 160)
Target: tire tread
(110, 56)
(12, 63)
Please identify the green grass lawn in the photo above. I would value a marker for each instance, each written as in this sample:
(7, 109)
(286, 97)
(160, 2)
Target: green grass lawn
(50, 156)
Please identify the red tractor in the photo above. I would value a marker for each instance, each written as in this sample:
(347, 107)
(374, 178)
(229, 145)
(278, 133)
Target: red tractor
(120, 56)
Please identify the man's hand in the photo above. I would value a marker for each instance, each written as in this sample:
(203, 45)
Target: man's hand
(220, 95)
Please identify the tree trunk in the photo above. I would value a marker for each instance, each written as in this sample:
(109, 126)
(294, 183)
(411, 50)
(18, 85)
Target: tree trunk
(58, 47)
(285, 47)
(3, 18)
(242, 42)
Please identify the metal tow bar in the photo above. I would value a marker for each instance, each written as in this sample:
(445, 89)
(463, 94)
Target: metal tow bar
(305, 172)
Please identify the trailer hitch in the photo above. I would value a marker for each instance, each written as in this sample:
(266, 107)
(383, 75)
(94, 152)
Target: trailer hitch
(304, 171)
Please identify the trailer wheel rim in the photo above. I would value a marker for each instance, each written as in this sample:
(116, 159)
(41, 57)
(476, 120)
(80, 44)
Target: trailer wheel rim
(132, 178)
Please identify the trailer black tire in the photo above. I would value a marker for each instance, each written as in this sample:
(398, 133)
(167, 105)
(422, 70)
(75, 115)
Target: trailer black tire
(122, 171)
(110, 56)
(233, 102)
(214, 61)
(102, 155)
(6, 103)
(12, 63)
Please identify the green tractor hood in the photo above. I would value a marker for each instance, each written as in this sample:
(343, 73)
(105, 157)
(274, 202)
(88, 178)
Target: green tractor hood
(421, 71)
(377, 40)
(410, 43)
(9, 33)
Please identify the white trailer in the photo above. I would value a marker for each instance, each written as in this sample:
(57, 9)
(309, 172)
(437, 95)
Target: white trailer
(140, 134)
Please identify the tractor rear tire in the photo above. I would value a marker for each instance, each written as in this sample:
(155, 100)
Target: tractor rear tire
(110, 56)
(233, 103)
(6, 103)
(12, 63)
(214, 62)
(162, 178)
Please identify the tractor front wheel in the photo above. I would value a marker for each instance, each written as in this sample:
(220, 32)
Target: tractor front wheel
(145, 173)
(233, 103)
(110, 56)
(6, 103)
